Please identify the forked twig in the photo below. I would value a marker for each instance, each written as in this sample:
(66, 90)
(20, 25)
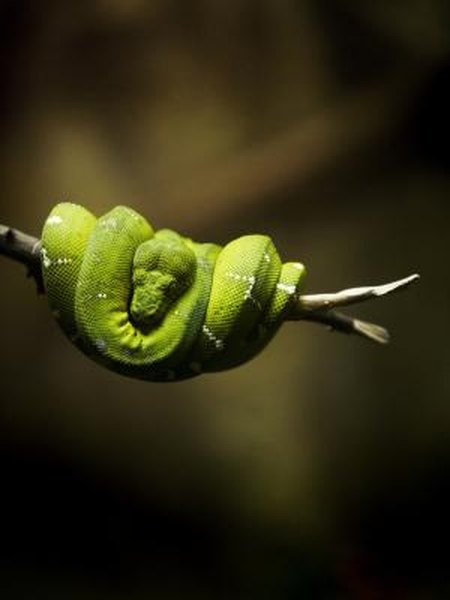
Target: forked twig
(319, 308)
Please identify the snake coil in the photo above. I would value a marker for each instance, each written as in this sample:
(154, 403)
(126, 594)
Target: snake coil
(156, 305)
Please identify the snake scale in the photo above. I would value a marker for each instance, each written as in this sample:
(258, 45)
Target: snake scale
(158, 306)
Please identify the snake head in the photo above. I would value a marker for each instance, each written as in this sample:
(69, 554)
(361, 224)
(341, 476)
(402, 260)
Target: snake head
(154, 293)
(163, 270)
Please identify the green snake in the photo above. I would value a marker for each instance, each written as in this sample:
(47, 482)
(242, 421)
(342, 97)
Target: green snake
(158, 306)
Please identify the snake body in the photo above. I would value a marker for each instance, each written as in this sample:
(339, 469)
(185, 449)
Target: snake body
(156, 305)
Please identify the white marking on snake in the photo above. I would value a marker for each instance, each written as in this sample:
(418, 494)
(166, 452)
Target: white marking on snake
(267, 257)
(218, 343)
(289, 289)
(45, 258)
(131, 213)
(54, 220)
(235, 276)
(298, 266)
(251, 279)
(110, 223)
(181, 314)
(248, 292)
(101, 295)
(63, 261)
(100, 344)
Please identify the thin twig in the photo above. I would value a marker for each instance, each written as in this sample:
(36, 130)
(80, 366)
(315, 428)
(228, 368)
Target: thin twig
(25, 249)
(353, 295)
(336, 321)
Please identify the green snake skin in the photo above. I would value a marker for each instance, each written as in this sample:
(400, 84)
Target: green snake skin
(155, 305)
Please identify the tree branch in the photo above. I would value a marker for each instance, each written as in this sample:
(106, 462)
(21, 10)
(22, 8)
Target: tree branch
(25, 249)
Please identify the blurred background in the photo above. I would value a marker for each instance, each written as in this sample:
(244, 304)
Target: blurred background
(321, 468)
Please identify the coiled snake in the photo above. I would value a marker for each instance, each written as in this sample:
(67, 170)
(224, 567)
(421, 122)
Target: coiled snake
(158, 306)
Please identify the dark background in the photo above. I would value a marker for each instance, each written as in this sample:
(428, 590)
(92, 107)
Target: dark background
(320, 469)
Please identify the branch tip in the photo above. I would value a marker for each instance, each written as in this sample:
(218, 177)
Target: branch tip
(319, 308)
